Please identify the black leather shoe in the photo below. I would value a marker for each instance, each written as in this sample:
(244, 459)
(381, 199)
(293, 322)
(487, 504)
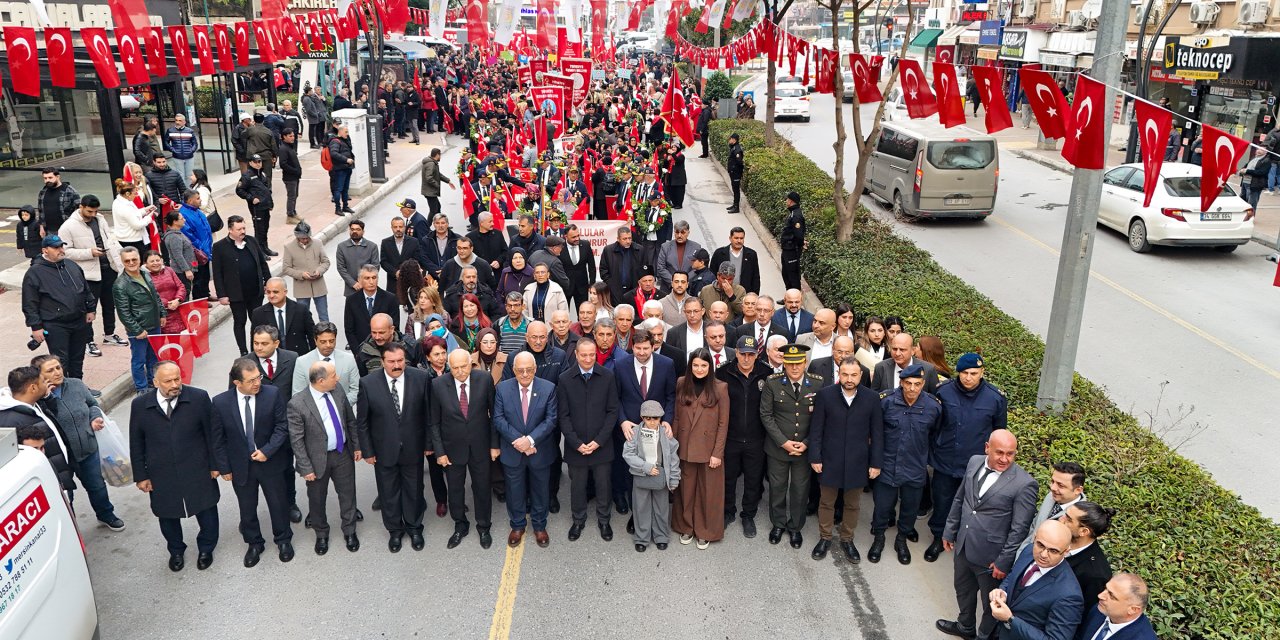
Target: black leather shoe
(353, 543)
(377, 504)
(877, 547)
(251, 556)
(267, 251)
(575, 531)
(606, 532)
(662, 546)
(914, 536)
(729, 518)
(286, 551)
(952, 628)
(359, 516)
(748, 527)
(797, 540)
(500, 496)
(935, 549)
(850, 551)
(640, 547)
(395, 542)
(621, 506)
(456, 538)
(486, 539)
(631, 525)
(417, 541)
(820, 549)
(904, 554)
(554, 507)
(295, 514)
(176, 562)
(348, 209)
(204, 560)
(733, 210)
(775, 535)
(322, 546)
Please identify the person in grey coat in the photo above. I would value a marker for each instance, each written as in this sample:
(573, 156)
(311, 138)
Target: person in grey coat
(675, 255)
(431, 179)
(353, 253)
(652, 457)
(181, 253)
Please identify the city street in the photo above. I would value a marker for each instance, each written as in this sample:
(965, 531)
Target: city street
(738, 588)
(1200, 320)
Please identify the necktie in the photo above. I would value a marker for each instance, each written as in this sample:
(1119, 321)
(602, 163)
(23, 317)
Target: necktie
(168, 407)
(644, 381)
(280, 321)
(793, 324)
(1103, 632)
(760, 340)
(524, 403)
(395, 397)
(796, 386)
(1055, 511)
(368, 303)
(271, 370)
(982, 480)
(1031, 573)
(717, 361)
(248, 423)
(463, 403)
(328, 359)
(337, 424)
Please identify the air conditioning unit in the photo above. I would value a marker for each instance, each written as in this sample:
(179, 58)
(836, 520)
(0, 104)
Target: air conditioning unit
(1204, 12)
(1254, 11)
(1077, 20)
(1027, 8)
(1153, 17)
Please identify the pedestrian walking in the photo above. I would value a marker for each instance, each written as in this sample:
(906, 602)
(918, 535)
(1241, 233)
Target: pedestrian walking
(290, 174)
(431, 179)
(182, 142)
(56, 201)
(90, 244)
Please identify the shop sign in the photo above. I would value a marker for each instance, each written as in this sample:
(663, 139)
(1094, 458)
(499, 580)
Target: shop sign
(969, 15)
(1013, 45)
(989, 32)
(1199, 57)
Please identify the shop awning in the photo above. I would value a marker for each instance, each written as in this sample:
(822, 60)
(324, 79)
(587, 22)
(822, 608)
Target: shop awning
(951, 35)
(988, 53)
(924, 40)
(971, 35)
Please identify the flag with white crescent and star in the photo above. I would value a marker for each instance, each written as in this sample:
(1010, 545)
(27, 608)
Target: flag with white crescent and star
(195, 313)
(1086, 142)
(1046, 100)
(95, 42)
(950, 104)
(62, 64)
(135, 68)
(920, 101)
(1154, 124)
(864, 78)
(1220, 160)
(675, 112)
(24, 71)
(177, 348)
(181, 50)
(990, 84)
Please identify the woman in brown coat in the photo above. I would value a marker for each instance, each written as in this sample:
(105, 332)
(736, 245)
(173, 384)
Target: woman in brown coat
(701, 424)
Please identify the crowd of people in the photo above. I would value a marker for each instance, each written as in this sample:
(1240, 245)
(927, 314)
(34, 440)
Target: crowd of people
(673, 387)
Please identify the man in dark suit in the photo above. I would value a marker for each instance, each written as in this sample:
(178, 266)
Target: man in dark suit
(579, 264)
(690, 334)
(250, 436)
(641, 375)
(276, 366)
(764, 326)
(391, 420)
(437, 247)
(291, 318)
(993, 507)
(416, 224)
(365, 303)
(829, 368)
(846, 448)
(588, 411)
(1122, 610)
(326, 446)
(793, 318)
(524, 415)
(620, 264)
(463, 441)
(239, 273)
(1040, 598)
(1087, 522)
(886, 372)
(747, 273)
(395, 250)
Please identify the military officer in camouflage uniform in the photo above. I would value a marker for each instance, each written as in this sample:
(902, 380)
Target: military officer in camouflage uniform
(786, 404)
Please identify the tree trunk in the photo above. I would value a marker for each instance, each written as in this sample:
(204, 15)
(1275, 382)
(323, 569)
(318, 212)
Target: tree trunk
(844, 216)
(771, 80)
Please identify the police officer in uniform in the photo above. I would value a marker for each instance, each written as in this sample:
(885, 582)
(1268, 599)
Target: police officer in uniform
(744, 376)
(792, 241)
(971, 409)
(911, 416)
(736, 166)
(786, 404)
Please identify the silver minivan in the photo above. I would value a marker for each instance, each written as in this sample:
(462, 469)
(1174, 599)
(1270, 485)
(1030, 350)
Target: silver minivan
(933, 177)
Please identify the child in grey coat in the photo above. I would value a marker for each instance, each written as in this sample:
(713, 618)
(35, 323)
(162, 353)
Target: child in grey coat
(651, 456)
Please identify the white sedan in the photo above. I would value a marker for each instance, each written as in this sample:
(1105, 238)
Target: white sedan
(792, 102)
(1174, 217)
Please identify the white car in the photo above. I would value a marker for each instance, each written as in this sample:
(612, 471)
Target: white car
(1174, 217)
(792, 101)
(895, 108)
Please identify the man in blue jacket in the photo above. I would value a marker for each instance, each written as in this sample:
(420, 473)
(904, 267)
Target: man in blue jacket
(183, 143)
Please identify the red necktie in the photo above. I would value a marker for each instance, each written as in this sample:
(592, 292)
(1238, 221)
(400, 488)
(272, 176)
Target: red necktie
(463, 403)
(524, 403)
(1026, 577)
(271, 371)
(717, 361)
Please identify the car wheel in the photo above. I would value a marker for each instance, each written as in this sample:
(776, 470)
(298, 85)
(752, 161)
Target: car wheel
(1138, 236)
(900, 209)
(1225, 248)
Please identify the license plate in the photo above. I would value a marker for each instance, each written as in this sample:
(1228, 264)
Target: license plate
(788, 111)
(951, 201)
(1206, 216)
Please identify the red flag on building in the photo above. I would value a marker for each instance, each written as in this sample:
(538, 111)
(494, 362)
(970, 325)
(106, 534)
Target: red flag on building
(950, 103)
(223, 41)
(195, 313)
(1046, 100)
(1154, 124)
(135, 68)
(203, 50)
(266, 53)
(1086, 142)
(599, 24)
(178, 348)
(62, 64)
(1220, 160)
(95, 42)
(130, 17)
(675, 112)
(990, 82)
(242, 43)
(181, 49)
(633, 18)
(156, 62)
(919, 99)
(24, 70)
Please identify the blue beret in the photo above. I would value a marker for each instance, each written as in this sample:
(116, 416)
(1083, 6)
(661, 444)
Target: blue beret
(969, 360)
(913, 371)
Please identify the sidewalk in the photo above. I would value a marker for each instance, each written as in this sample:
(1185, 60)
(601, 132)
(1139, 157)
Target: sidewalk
(110, 373)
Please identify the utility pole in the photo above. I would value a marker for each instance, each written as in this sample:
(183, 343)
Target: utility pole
(1063, 338)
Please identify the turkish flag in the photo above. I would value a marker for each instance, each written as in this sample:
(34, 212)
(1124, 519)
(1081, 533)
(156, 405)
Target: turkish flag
(156, 62)
(599, 24)
(919, 99)
(62, 64)
(242, 43)
(95, 42)
(546, 25)
(1046, 101)
(284, 33)
(469, 197)
(397, 17)
(633, 19)
(1086, 143)
(181, 50)
(675, 112)
(196, 315)
(673, 20)
(24, 71)
(1154, 124)
(130, 17)
(225, 61)
(1220, 160)
(203, 52)
(950, 106)
(178, 348)
(135, 68)
(265, 51)
(945, 53)
(827, 67)
(991, 92)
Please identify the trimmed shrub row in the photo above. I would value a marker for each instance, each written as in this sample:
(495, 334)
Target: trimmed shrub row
(1212, 562)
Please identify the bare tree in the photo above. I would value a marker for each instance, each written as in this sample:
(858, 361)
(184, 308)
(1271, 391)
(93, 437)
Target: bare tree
(774, 10)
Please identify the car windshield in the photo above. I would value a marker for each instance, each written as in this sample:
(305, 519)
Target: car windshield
(1189, 187)
(971, 154)
(790, 93)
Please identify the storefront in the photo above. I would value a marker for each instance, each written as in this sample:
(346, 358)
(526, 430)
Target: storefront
(1019, 46)
(1068, 51)
(990, 33)
(1225, 82)
(967, 44)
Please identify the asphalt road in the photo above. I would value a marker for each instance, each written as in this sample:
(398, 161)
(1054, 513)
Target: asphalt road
(738, 588)
(1202, 321)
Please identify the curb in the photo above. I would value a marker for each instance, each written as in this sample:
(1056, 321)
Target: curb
(121, 389)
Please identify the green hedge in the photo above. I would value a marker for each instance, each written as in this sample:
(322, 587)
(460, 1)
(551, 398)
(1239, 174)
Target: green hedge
(1213, 562)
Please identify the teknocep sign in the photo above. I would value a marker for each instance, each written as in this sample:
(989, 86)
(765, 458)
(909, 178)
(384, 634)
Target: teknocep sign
(990, 32)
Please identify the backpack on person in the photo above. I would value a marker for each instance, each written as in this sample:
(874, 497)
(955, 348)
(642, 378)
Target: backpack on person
(610, 183)
(326, 160)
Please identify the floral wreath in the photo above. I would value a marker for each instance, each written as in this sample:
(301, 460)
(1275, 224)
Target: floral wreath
(641, 216)
(467, 165)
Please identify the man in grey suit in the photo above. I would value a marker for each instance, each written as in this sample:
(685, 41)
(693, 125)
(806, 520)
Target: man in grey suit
(462, 435)
(821, 339)
(988, 521)
(1066, 488)
(322, 431)
(885, 376)
(326, 337)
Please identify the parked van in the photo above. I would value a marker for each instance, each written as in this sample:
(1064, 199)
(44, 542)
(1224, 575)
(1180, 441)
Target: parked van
(925, 176)
(44, 579)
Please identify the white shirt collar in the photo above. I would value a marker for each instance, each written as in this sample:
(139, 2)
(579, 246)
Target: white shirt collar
(160, 400)
(1115, 627)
